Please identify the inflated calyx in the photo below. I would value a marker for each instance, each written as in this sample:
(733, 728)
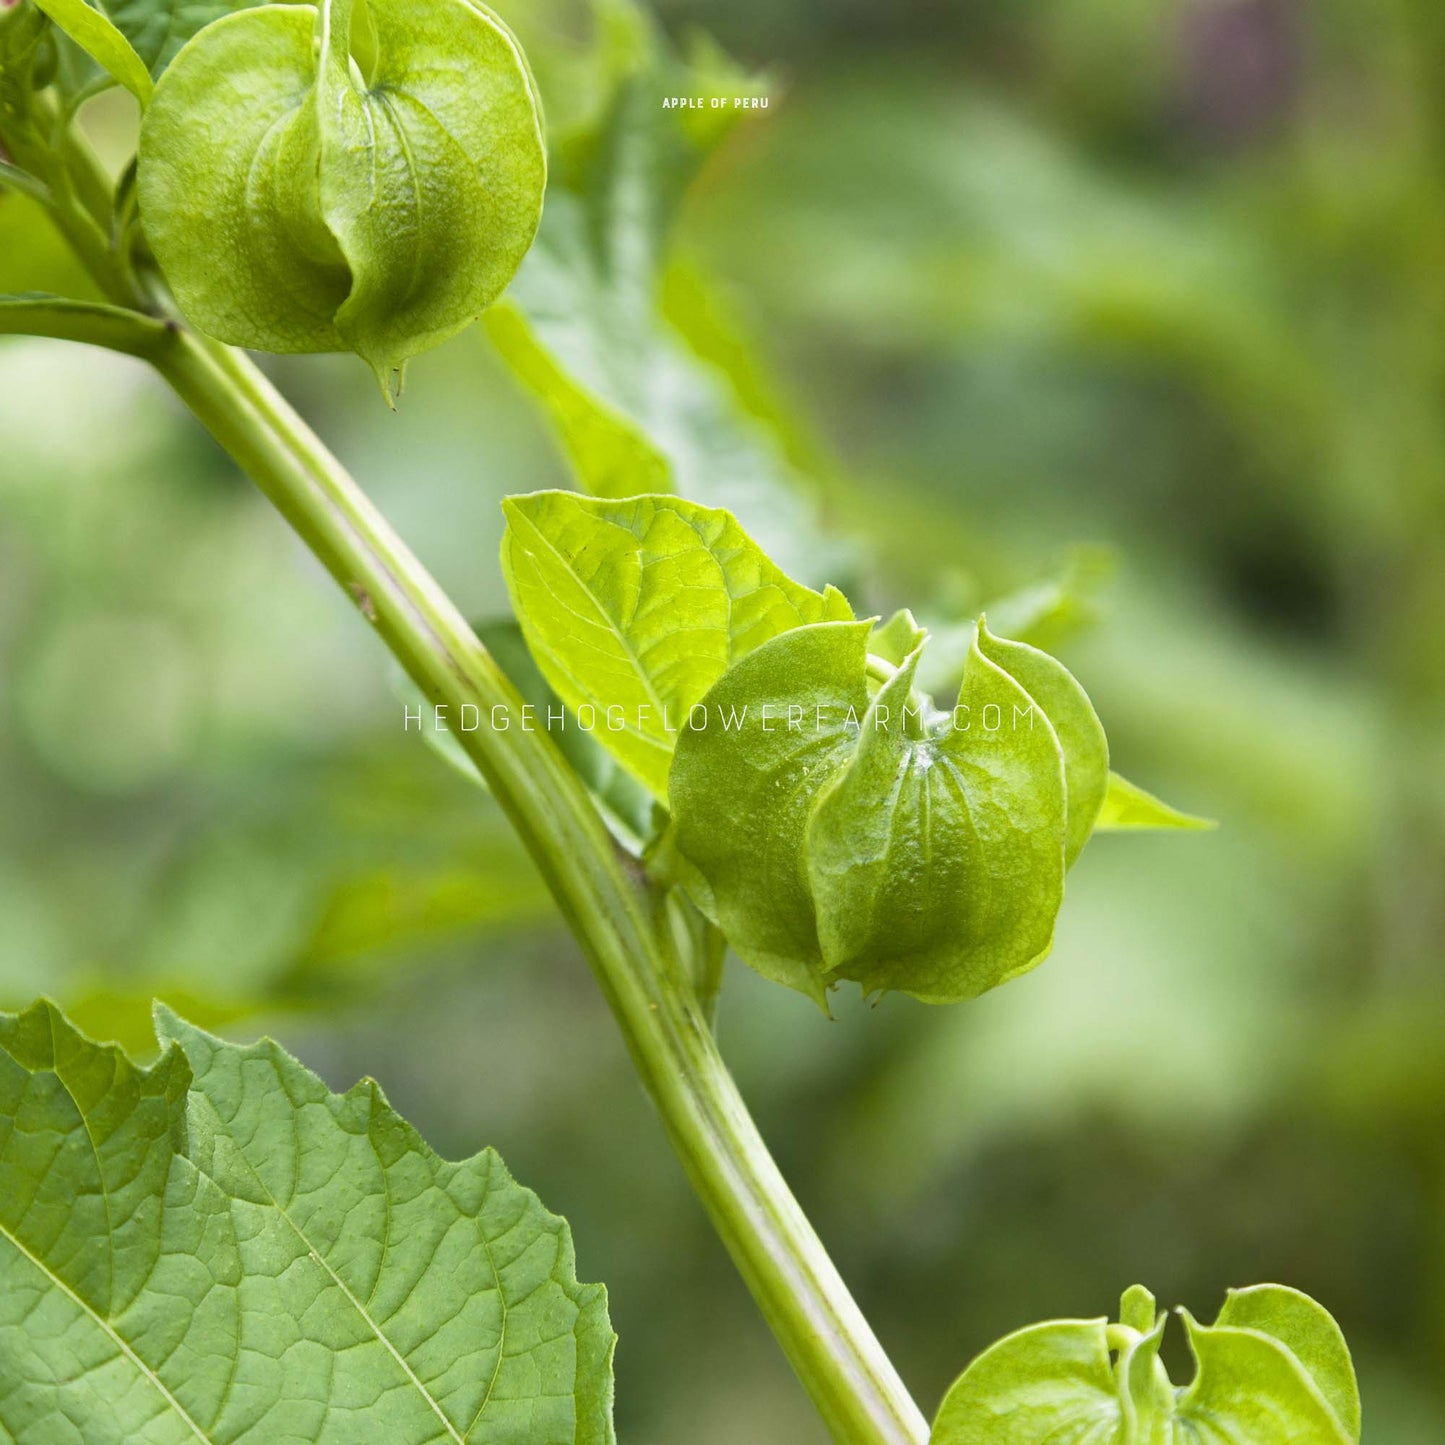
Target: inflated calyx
(835, 821)
(362, 176)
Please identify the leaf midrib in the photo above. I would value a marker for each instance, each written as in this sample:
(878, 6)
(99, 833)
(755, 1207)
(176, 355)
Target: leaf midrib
(88, 1311)
(316, 1255)
(612, 625)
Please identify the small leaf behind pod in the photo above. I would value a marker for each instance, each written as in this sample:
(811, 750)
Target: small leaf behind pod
(1127, 807)
(640, 605)
(895, 639)
(298, 204)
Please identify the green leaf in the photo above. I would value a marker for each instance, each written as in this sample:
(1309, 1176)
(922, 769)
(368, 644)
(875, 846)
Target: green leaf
(98, 36)
(634, 609)
(22, 183)
(582, 323)
(1056, 1382)
(36, 313)
(585, 328)
(1045, 614)
(27, 62)
(310, 188)
(158, 28)
(634, 410)
(1251, 1389)
(870, 837)
(150, 31)
(1126, 806)
(895, 639)
(1146, 1396)
(217, 1247)
(1286, 1376)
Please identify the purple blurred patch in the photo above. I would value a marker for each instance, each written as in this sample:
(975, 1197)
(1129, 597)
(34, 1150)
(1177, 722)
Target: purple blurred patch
(1241, 67)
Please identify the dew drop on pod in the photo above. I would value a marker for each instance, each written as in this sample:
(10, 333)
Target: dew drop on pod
(358, 177)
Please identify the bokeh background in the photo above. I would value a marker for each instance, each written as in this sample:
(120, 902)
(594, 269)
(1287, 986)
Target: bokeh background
(1136, 303)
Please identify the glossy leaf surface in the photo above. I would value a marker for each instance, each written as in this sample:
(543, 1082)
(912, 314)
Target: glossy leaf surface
(635, 608)
(103, 41)
(217, 1248)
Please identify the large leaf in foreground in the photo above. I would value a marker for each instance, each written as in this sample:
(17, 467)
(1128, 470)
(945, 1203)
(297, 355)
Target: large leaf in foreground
(217, 1248)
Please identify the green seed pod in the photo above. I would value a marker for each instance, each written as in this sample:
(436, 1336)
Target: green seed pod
(343, 179)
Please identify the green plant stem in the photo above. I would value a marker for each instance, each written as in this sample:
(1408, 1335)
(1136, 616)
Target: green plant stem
(95, 322)
(599, 890)
(14, 179)
(608, 902)
(69, 180)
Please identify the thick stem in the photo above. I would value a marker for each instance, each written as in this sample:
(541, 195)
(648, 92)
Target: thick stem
(603, 897)
(608, 903)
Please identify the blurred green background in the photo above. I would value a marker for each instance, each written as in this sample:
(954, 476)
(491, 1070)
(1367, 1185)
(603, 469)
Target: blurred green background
(1161, 277)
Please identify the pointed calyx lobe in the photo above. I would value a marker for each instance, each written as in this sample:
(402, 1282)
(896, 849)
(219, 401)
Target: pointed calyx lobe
(217, 1248)
(1274, 1367)
(849, 829)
